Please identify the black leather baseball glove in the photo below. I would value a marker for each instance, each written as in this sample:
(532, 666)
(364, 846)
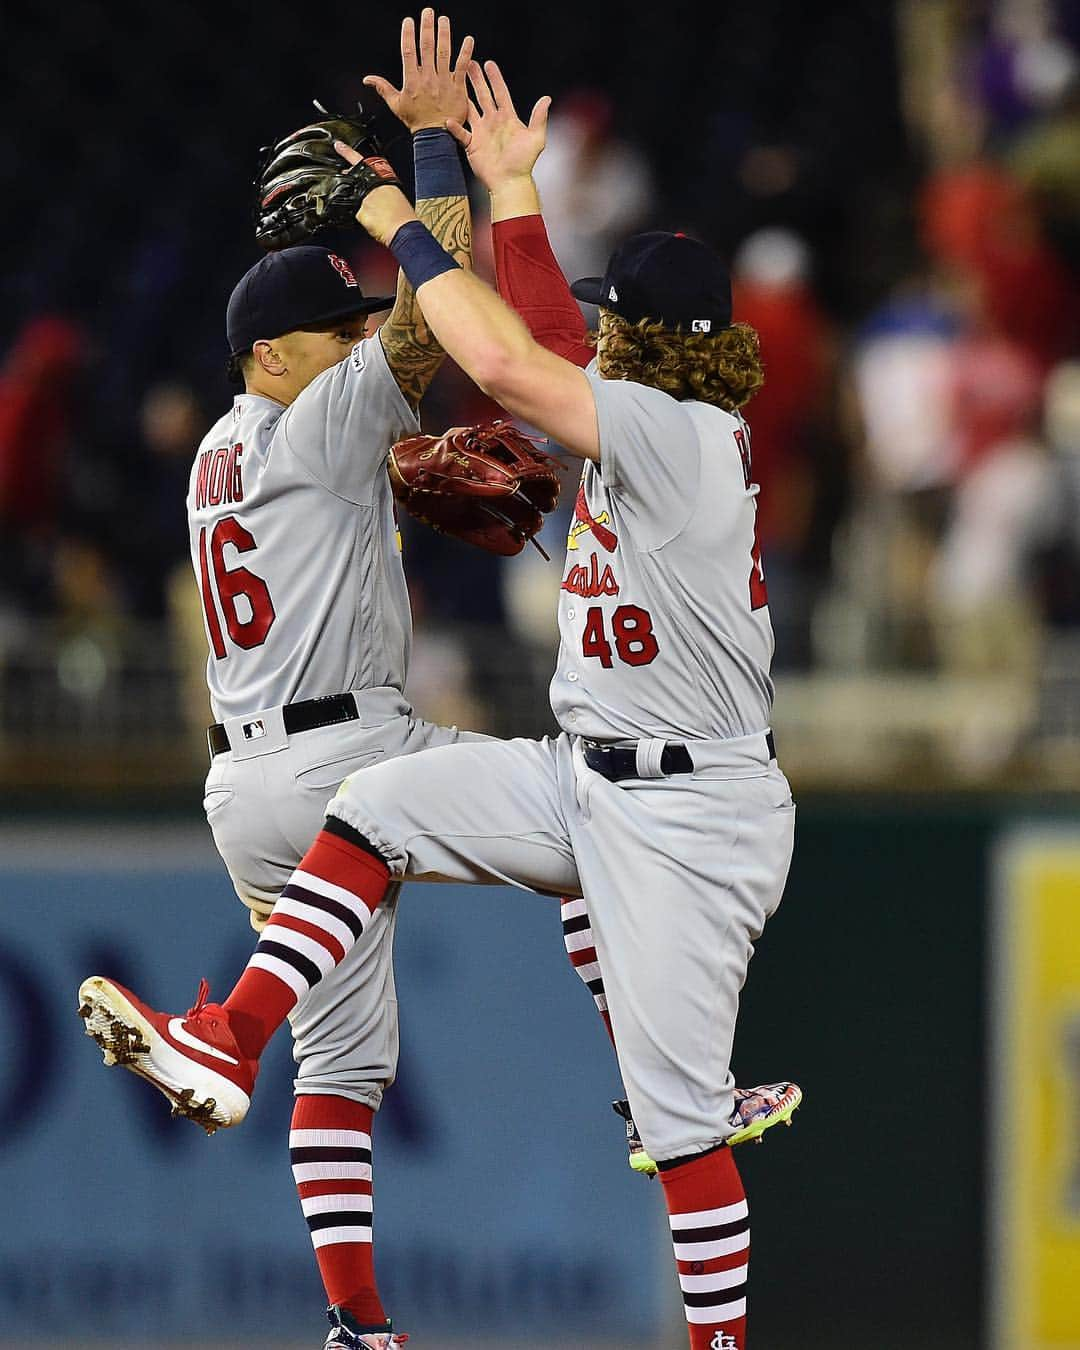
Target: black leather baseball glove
(303, 185)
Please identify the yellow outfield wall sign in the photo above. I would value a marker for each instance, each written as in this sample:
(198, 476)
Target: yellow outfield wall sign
(1034, 1174)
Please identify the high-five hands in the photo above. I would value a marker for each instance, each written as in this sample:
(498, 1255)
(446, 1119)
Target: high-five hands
(500, 146)
(432, 90)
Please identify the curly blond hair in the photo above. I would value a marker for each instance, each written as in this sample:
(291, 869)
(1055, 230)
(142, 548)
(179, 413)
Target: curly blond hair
(720, 368)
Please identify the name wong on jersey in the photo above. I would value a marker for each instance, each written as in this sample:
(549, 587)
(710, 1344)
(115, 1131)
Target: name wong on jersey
(219, 479)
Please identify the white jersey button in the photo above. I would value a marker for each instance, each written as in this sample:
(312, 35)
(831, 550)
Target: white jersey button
(572, 675)
(570, 614)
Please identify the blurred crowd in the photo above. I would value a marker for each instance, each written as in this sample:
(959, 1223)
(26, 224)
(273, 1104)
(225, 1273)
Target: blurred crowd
(907, 246)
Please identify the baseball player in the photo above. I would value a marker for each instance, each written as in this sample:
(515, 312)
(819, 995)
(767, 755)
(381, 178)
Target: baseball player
(660, 803)
(296, 554)
(528, 277)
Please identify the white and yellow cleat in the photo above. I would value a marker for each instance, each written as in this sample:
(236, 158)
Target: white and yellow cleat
(757, 1109)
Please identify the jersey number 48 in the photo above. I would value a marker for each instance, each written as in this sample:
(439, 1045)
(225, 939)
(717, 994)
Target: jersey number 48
(244, 598)
(631, 627)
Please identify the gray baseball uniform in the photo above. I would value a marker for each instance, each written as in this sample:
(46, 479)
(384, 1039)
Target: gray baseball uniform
(295, 549)
(665, 637)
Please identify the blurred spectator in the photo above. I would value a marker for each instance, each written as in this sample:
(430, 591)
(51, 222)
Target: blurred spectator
(901, 384)
(1022, 66)
(86, 596)
(981, 585)
(978, 220)
(594, 188)
(155, 535)
(772, 293)
(37, 389)
(996, 389)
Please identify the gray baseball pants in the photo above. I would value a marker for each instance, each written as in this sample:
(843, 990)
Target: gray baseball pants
(679, 875)
(265, 802)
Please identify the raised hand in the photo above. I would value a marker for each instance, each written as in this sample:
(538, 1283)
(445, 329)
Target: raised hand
(432, 90)
(500, 146)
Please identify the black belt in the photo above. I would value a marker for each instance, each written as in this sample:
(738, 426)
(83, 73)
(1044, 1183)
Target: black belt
(616, 762)
(303, 716)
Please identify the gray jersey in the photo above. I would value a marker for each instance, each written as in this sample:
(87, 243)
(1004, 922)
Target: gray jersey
(663, 617)
(294, 541)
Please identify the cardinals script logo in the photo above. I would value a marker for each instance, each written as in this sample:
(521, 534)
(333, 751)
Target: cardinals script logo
(341, 266)
(584, 521)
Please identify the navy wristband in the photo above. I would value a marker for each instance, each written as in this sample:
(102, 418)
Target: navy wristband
(419, 254)
(437, 164)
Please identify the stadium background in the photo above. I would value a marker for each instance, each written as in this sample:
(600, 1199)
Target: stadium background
(898, 188)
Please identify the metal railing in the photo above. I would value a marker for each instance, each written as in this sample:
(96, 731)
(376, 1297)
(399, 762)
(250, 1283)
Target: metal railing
(125, 708)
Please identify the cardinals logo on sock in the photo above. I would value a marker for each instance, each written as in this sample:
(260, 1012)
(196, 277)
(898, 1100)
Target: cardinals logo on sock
(722, 1341)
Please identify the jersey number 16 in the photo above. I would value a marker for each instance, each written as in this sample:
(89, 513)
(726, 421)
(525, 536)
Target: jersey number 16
(247, 622)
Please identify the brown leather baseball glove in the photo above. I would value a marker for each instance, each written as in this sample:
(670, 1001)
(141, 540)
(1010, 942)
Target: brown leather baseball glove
(487, 485)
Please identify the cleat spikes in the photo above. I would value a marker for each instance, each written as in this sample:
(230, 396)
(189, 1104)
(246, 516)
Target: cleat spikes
(202, 1113)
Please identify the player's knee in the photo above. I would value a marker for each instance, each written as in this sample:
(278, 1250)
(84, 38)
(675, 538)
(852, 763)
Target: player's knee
(335, 824)
(367, 810)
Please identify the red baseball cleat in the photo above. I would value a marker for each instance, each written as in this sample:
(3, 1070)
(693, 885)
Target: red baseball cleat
(194, 1060)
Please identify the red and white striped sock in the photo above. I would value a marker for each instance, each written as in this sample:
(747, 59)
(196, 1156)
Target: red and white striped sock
(710, 1232)
(326, 905)
(581, 949)
(330, 1150)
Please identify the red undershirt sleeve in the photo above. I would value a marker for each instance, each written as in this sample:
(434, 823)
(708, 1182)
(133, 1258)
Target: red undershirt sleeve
(530, 280)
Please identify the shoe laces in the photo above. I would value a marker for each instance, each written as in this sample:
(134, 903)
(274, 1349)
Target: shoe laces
(196, 1010)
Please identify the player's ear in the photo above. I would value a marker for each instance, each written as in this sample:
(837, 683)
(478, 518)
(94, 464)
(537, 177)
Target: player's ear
(269, 358)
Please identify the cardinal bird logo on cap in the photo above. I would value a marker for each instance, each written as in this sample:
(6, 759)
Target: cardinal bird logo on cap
(340, 265)
(584, 521)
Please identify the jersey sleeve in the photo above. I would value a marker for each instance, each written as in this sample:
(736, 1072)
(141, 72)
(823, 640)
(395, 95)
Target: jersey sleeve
(650, 457)
(530, 280)
(341, 426)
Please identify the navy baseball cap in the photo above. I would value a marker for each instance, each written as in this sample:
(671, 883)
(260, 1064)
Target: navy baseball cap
(668, 277)
(294, 288)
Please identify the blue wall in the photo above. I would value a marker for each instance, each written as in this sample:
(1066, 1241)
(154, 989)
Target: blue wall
(503, 1202)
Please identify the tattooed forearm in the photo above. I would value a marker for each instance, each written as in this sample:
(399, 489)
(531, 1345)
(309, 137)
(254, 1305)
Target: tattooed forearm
(411, 349)
(450, 221)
